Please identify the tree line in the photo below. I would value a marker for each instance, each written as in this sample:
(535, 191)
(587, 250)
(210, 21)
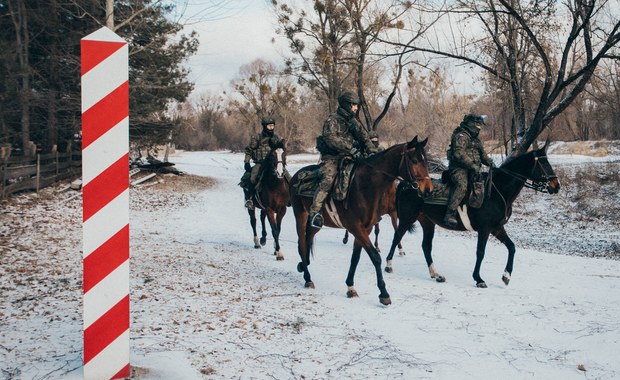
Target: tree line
(536, 73)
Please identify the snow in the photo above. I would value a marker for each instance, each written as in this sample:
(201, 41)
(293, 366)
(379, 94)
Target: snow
(206, 304)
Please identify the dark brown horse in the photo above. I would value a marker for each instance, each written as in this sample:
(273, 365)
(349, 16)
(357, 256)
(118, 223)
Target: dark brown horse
(531, 169)
(388, 205)
(271, 198)
(361, 210)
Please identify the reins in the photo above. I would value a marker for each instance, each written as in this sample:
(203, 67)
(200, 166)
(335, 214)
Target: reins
(404, 156)
(534, 185)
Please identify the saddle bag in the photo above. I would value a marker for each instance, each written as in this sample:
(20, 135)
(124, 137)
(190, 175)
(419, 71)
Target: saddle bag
(308, 182)
(343, 180)
(476, 197)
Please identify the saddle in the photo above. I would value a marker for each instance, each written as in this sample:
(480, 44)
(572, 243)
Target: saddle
(310, 178)
(441, 191)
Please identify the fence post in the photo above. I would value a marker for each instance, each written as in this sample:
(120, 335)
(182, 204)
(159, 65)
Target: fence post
(105, 191)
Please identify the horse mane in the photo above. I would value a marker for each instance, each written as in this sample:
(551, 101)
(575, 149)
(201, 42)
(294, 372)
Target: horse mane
(378, 155)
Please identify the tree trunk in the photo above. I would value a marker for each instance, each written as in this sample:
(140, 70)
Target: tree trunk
(20, 20)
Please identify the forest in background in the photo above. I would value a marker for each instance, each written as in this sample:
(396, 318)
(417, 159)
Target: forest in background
(540, 75)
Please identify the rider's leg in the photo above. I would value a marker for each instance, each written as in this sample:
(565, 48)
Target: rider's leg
(328, 174)
(457, 192)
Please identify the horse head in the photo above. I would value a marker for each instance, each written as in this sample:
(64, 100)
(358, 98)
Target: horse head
(542, 174)
(278, 157)
(416, 165)
(533, 166)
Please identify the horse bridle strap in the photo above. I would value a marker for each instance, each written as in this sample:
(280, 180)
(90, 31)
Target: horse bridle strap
(536, 185)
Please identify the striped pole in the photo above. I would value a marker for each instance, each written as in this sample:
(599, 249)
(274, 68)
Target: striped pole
(105, 191)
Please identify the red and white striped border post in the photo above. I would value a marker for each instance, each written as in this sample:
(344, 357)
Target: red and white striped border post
(105, 191)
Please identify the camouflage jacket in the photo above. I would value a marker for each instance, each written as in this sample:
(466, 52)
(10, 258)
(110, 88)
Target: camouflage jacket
(342, 133)
(258, 149)
(466, 151)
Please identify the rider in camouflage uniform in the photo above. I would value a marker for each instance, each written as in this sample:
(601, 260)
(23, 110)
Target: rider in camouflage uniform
(343, 137)
(465, 156)
(257, 150)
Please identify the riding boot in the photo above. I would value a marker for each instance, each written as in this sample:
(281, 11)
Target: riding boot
(248, 198)
(315, 219)
(450, 218)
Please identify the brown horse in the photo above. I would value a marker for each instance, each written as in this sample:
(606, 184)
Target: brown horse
(388, 205)
(361, 210)
(271, 198)
(531, 170)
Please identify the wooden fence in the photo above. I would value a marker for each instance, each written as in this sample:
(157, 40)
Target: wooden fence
(34, 173)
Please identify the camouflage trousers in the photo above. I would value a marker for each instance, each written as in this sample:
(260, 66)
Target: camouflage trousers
(329, 170)
(460, 179)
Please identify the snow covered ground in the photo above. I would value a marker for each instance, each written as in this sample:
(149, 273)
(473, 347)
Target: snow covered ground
(206, 304)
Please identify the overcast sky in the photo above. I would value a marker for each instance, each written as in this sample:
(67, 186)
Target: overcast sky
(238, 36)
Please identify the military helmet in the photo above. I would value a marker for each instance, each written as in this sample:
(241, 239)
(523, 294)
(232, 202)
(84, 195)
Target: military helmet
(267, 120)
(473, 118)
(347, 98)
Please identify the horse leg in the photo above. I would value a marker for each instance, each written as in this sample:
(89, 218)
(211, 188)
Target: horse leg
(377, 230)
(276, 237)
(375, 258)
(275, 232)
(355, 259)
(303, 247)
(502, 236)
(403, 226)
(263, 238)
(253, 224)
(394, 218)
(483, 237)
(428, 229)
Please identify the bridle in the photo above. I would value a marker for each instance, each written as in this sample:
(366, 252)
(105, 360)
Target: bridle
(413, 179)
(278, 162)
(540, 184)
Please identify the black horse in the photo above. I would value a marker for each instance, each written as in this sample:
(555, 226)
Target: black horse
(272, 198)
(531, 170)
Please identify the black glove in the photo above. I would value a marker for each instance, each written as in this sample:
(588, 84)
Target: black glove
(475, 169)
(247, 167)
(355, 153)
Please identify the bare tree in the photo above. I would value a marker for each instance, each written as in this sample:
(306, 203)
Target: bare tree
(512, 34)
(338, 44)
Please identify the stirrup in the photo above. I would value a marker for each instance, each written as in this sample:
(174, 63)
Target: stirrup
(316, 220)
(249, 204)
(450, 220)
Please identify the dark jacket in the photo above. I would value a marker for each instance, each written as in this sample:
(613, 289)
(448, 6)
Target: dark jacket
(466, 150)
(258, 149)
(341, 133)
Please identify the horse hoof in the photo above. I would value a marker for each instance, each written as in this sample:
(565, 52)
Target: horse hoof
(440, 279)
(256, 246)
(506, 280)
(402, 253)
(389, 269)
(481, 285)
(300, 267)
(279, 258)
(263, 241)
(385, 300)
(309, 285)
(352, 293)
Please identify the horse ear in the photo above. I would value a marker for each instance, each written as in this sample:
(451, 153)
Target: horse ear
(423, 142)
(412, 143)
